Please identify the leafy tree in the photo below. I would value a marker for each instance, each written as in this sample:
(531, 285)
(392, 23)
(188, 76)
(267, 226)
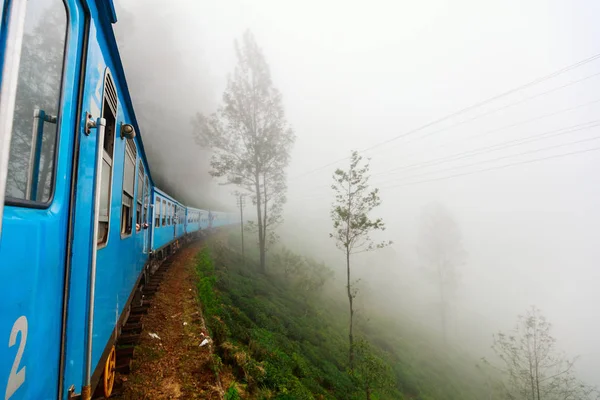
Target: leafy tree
(371, 373)
(251, 139)
(353, 202)
(441, 252)
(306, 275)
(532, 367)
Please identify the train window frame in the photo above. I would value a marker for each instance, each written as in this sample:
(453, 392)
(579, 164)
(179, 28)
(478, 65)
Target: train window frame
(139, 196)
(146, 198)
(107, 158)
(27, 203)
(130, 152)
(156, 212)
(164, 213)
(169, 213)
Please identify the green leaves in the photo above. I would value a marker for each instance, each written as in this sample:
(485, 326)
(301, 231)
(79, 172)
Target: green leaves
(371, 373)
(350, 210)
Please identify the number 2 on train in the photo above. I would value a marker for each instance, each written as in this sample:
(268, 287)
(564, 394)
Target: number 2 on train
(17, 377)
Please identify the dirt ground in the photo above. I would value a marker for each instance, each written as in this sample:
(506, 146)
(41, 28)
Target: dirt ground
(174, 366)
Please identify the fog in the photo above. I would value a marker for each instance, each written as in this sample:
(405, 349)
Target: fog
(357, 74)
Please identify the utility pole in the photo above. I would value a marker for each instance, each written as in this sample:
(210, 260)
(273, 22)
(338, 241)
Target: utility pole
(241, 201)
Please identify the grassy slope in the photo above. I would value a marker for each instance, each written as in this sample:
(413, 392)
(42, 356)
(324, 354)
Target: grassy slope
(279, 345)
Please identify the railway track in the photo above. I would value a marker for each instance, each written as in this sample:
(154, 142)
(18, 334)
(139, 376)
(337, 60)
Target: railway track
(171, 365)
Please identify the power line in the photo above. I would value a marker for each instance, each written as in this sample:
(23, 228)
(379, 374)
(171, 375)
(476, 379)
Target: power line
(463, 110)
(488, 149)
(502, 158)
(479, 135)
(540, 117)
(495, 147)
(481, 115)
(494, 159)
(489, 112)
(495, 168)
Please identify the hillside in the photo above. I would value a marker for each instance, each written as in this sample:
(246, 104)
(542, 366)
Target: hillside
(281, 336)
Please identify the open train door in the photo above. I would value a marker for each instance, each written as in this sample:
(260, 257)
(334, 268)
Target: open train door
(11, 43)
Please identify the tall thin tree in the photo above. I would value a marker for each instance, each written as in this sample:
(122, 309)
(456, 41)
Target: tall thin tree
(442, 253)
(354, 200)
(251, 139)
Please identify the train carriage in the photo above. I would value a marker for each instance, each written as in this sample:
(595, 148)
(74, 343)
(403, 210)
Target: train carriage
(169, 220)
(194, 216)
(81, 222)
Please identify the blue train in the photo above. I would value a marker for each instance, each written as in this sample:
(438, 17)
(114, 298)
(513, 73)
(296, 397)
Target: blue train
(82, 221)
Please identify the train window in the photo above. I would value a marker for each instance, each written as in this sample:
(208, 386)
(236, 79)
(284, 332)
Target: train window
(156, 212)
(109, 112)
(146, 200)
(164, 213)
(140, 197)
(31, 163)
(168, 213)
(128, 188)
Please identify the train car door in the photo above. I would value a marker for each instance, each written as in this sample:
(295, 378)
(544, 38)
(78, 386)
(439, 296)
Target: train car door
(41, 50)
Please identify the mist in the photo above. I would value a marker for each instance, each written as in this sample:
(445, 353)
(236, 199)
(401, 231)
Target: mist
(355, 75)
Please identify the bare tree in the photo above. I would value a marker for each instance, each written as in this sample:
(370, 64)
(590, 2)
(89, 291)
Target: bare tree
(441, 252)
(251, 139)
(354, 201)
(532, 367)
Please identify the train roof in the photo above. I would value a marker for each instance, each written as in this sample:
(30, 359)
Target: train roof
(168, 196)
(107, 16)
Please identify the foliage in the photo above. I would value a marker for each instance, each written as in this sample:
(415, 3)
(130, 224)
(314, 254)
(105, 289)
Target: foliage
(280, 348)
(351, 223)
(441, 252)
(232, 393)
(306, 275)
(371, 372)
(350, 211)
(250, 139)
(531, 365)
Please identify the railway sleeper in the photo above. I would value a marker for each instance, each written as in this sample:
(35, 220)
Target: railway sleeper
(123, 365)
(129, 339)
(139, 310)
(132, 327)
(134, 319)
(125, 351)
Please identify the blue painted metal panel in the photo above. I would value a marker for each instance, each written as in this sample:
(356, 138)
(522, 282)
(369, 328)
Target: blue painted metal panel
(38, 297)
(165, 234)
(31, 282)
(121, 261)
(193, 226)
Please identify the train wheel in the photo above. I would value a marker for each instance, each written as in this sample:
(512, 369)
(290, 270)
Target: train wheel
(109, 372)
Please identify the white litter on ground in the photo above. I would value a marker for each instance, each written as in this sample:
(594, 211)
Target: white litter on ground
(154, 336)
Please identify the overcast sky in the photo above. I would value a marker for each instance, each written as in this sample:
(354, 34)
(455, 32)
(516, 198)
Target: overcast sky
(355, 74)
